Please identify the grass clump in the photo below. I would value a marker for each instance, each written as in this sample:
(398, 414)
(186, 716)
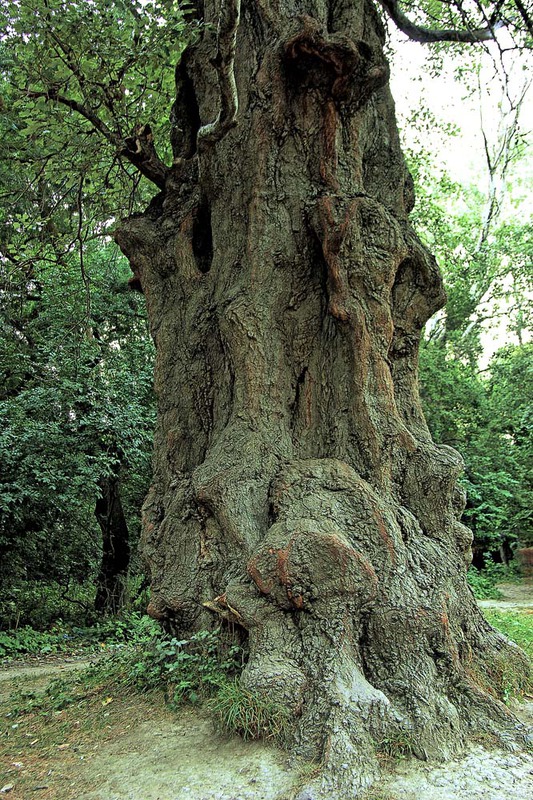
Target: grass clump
(202, 668)
(395, 747)
(239, 710)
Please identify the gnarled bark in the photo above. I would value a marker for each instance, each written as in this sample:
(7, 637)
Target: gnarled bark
(296, 486)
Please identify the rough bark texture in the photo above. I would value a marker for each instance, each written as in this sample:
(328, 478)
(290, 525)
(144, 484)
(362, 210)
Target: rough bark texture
(297, 489)
(111, 582)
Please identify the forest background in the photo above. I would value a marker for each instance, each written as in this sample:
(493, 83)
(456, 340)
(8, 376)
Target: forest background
(76, 402)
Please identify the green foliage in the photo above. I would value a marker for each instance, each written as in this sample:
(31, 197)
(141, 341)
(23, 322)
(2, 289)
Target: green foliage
(510, 390)
(27, 641)
(484, 581)
(187, 670)
(76, 361)
(488, 419)
(482, 585)
(76, 405)
(80, 79)
(40, 604)
(483, 243)
(249, 714)
(202, 667)
(130, 628)
(487, 272)
(141, 657)
(453, 396)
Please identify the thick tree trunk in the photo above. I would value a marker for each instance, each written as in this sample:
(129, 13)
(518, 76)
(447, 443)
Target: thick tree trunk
(296, 488)
(111, 581)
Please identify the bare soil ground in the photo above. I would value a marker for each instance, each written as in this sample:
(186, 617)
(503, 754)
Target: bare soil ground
(126, 747)
(514, 595)
(134, 748)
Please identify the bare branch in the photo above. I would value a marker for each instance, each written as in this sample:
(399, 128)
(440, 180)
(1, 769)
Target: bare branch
(500, 159)
(224, 62)
(419, 33)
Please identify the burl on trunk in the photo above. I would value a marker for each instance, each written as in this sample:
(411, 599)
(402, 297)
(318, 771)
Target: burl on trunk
(296, 484)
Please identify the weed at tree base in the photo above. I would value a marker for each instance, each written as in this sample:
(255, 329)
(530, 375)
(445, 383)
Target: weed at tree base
(395, 747)
(239, 710)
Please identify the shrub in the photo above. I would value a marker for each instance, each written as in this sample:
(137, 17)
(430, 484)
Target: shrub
(483, 586)
(484, 582)
(41, 604)
(26, 641)
(113, 632)
(188, 670)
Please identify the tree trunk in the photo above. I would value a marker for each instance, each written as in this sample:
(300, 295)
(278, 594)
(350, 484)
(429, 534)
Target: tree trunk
(296, 487)
(111, 582)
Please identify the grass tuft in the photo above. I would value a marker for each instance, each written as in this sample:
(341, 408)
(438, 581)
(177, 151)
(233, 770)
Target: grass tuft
(238, 710)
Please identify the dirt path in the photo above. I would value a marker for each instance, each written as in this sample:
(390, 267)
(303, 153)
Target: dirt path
(184, 758)
(134, 748)
(35, 675)
(514, 595)
(127, 748)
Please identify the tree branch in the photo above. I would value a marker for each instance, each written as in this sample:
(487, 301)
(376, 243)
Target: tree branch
(90, 116)
(224, 62)
(419, 33)
(139, 148)
(528, 20)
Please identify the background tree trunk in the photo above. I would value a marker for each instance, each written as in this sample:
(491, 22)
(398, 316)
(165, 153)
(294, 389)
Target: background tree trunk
(296, 485)
(111, 581)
